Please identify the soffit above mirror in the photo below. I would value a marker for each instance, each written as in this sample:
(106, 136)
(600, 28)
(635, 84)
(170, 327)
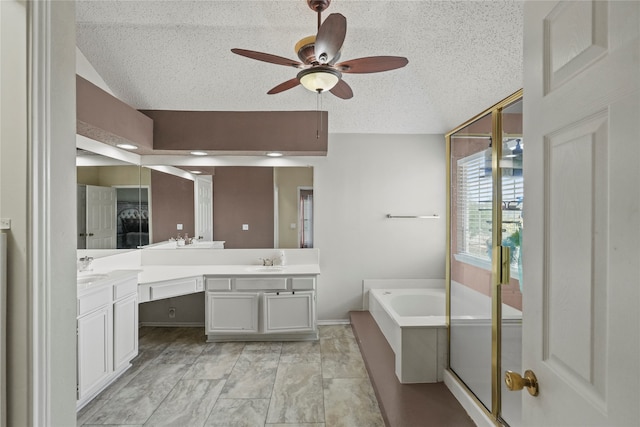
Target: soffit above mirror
(104, 118)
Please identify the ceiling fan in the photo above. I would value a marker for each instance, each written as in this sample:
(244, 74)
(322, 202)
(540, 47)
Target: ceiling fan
(319, 54)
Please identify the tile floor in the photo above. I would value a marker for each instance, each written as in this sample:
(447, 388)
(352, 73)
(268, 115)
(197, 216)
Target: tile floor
(180, 380)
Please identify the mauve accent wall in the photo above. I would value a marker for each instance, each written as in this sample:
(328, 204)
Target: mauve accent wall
(249, 132)
(102, 117)
(243, 195)
(172, 203)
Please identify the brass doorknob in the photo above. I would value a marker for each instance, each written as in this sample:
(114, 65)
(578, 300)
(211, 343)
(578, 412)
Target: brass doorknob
(515, 382)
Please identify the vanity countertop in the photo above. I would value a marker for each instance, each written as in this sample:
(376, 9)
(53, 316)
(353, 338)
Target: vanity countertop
(101, 278)
(158, 273)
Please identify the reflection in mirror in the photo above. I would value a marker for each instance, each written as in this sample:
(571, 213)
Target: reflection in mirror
(248, 207)
(124, 206)
(113, 204)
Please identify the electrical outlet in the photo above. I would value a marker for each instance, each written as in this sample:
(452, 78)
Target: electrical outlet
(179, 227)
(245, 227)
(172, 312)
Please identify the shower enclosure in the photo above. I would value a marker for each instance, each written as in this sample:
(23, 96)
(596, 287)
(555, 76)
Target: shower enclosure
(484, 268)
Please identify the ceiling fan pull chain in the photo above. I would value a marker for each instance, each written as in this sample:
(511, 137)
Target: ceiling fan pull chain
(319, 118)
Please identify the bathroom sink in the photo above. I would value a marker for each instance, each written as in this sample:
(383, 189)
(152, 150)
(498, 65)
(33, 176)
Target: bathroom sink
(90, 278)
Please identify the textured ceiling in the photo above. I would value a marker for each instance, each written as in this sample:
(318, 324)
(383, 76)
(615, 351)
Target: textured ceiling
(464, 56)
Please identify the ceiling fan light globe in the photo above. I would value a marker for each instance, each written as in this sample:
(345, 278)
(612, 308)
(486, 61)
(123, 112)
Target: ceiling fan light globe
(319, 80)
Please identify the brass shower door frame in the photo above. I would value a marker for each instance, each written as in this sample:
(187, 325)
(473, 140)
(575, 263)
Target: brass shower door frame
(499, 260)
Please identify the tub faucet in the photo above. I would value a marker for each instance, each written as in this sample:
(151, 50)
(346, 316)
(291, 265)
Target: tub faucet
(84, 263)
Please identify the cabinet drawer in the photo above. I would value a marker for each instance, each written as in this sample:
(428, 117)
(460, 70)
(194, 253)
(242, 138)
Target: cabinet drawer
(218, 284)
(257, 283)
(123, 289)
(301, 283)
(90, 302)
(173, 288)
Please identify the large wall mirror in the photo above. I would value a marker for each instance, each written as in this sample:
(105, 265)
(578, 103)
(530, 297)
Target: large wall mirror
(125, 206)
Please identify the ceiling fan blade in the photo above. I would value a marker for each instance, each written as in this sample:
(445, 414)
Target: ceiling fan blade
(342, 90)
(330, 37)
(372, 64)
(284, 86)
(267, 57)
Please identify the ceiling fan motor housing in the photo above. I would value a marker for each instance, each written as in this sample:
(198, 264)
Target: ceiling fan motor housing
(318, 5)
(305, 49)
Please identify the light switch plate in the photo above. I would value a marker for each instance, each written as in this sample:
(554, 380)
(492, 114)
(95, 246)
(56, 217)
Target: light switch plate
(179, 226)
(245, 227)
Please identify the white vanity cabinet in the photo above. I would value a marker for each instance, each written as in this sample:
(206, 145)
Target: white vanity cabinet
(94, 348)
(125, 323)
(107, 332)
(277, 307)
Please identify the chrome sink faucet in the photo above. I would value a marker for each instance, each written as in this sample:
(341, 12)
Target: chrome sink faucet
(84, 263)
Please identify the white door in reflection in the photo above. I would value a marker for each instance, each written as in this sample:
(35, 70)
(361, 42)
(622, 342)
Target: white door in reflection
(204, 208)
(101, 217)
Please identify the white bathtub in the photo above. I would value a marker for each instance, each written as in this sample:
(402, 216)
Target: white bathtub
(413, 322)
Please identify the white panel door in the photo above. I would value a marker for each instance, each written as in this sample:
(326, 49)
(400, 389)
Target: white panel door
(581, 328)
(101, 217)
(204, 208)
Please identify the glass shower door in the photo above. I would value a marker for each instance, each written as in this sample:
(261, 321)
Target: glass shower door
(470, 244)
(512, 230)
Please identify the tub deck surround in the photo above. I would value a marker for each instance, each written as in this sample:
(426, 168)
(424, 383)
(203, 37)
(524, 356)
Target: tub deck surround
(403, 405)
(419, 340)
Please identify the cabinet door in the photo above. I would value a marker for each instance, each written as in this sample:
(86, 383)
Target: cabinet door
(125, 331)
(232, 312)
(289, 312)
(94, 349)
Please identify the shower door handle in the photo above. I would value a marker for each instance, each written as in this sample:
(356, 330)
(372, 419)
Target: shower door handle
(502, 266)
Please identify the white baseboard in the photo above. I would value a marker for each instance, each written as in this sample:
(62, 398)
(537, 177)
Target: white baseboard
(333, 322)
(172, 324)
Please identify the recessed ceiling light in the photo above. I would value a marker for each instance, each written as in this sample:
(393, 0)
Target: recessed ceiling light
(196, 172)
(274, 154)
(199, 153)
(127, 146)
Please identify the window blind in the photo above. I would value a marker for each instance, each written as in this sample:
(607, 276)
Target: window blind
(475, 200)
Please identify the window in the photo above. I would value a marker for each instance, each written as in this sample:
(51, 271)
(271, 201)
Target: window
(474, 209)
